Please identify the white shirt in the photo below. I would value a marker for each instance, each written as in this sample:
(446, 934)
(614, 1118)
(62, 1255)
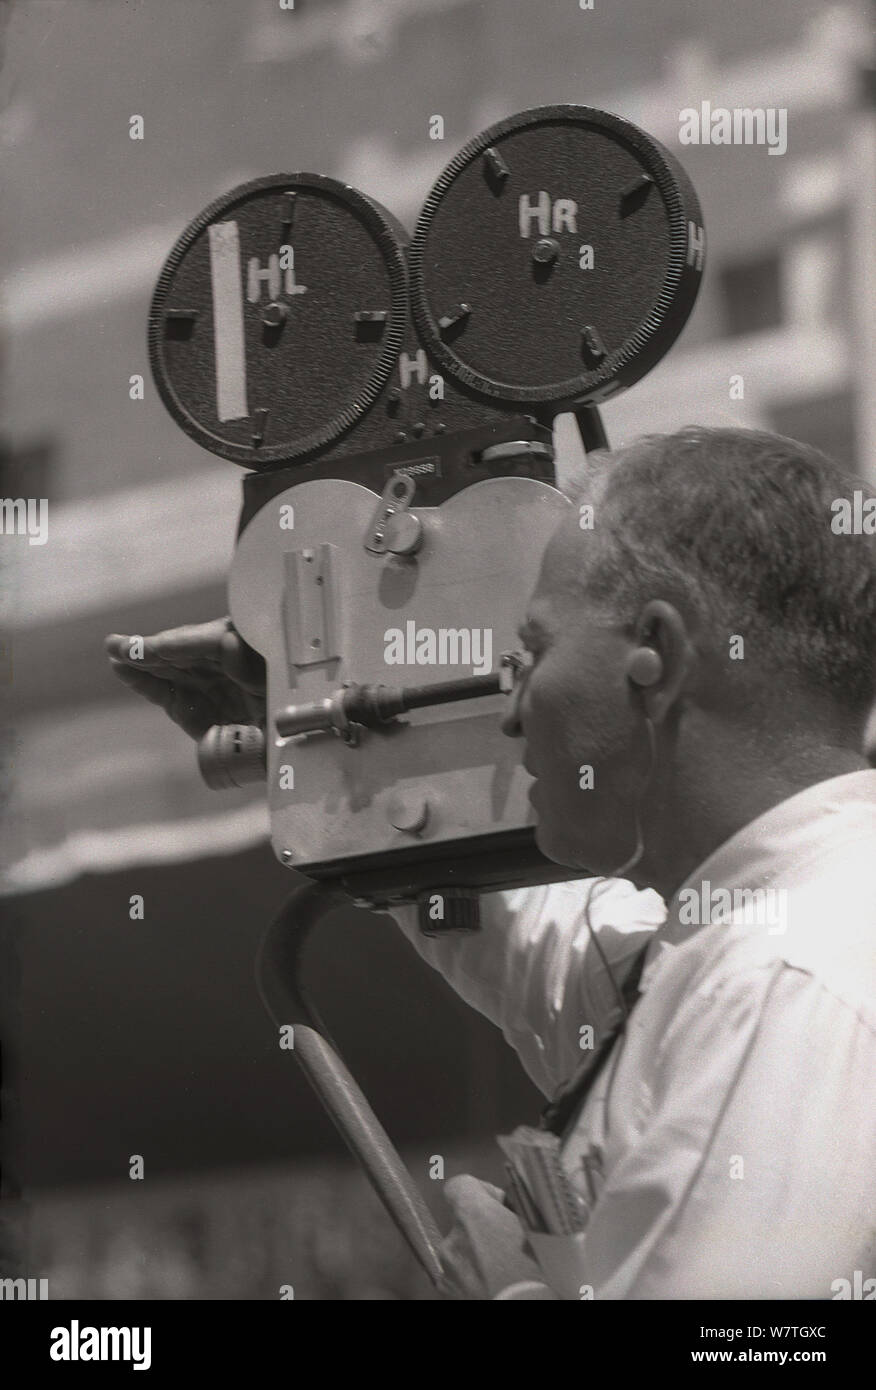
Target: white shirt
(732, 1134)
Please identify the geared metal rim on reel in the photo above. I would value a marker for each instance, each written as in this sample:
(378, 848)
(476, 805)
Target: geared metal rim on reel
(390, 240)
(648, 341)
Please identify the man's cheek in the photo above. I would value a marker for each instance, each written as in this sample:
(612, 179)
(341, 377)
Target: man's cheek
(544, 705)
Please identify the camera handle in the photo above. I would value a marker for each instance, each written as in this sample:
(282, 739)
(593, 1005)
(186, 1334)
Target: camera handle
(278, 973)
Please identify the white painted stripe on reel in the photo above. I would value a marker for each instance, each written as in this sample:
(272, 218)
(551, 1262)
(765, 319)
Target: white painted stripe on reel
(230, 351)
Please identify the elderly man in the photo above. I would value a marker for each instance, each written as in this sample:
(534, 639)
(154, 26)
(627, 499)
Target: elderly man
(708, 652)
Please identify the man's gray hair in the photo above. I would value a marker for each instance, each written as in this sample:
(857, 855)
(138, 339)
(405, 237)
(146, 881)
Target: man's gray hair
(733, 526)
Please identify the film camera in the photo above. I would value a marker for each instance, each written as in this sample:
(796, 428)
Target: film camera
(392, 398)
(393, 401)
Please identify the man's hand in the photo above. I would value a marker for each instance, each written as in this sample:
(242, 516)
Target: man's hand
(201, 675)
(486, 1250)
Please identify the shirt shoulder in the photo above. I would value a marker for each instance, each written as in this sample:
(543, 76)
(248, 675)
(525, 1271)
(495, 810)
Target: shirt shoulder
(819, 921)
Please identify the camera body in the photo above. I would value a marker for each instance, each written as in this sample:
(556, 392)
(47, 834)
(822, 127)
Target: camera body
(394, 399)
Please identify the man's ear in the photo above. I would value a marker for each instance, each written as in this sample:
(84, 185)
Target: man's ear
(662, 629)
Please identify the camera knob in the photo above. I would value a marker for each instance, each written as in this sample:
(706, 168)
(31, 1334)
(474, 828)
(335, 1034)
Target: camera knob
(403, 533)
(408, 811)
(274, 315)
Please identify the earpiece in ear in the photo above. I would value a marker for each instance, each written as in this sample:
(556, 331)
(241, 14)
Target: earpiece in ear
(644, 666)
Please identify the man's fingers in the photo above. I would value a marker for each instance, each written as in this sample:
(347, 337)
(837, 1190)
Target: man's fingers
(196, 642)
(485, 1250)
(197, 656)
(156, 658)
(185, 707)
(196, 681)
(529, 1291)
(115, 645)
(153, 688)
(465, 1193)
(200, 675)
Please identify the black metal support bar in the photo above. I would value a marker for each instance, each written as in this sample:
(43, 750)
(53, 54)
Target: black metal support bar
(591, 428)
(278, 971)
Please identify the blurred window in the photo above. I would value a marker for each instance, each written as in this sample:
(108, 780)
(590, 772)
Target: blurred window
(826, 421)
(360, 30)
(27, 465)
(751, 295)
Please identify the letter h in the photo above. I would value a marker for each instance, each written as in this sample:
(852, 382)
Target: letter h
(255, 275)
(408, 365)
(696, 245)
(526, 212)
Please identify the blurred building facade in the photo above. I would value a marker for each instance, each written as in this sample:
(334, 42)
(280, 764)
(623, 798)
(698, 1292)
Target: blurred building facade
(142, 521)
